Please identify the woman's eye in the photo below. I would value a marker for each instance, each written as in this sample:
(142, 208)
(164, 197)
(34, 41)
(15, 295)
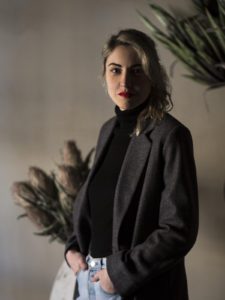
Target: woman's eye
(115, 71)
(137, 71)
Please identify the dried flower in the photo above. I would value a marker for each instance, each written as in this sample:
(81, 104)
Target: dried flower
(48, 200)
(66, 203)
(41, 181)
(69, 179)
(23, 194)
(71, 155)
(38, 217)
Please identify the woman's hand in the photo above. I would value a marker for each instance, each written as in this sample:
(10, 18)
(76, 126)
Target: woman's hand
(76, 261)
(105, 282)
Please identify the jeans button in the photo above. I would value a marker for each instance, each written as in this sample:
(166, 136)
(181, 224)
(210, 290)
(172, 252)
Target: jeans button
(92, 263)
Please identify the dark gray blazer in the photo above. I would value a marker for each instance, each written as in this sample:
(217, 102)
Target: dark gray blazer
(160, 161)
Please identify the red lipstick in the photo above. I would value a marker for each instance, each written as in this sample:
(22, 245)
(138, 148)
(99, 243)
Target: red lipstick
(125, 94)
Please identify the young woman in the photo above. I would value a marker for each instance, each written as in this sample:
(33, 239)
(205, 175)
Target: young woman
(136, 216)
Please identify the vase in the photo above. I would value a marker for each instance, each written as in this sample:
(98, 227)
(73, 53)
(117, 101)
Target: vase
(64, 284)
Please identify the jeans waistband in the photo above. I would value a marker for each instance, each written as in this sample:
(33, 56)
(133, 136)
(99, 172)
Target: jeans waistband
(95, 262)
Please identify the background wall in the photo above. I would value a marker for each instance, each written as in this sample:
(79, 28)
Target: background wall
(50, 91)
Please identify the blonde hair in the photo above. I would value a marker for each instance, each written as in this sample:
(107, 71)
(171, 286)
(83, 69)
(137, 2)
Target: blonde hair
(159, 100)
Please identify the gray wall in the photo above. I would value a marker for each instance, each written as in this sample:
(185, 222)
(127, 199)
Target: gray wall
(50, 91)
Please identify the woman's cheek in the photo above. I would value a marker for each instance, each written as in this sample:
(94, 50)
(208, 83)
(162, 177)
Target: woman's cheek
(112, 88)
(136, 88)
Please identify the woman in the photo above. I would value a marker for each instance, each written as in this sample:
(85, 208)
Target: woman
(136, 216)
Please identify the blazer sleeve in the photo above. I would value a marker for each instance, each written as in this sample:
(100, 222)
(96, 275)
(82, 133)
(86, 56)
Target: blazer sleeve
(177, 228)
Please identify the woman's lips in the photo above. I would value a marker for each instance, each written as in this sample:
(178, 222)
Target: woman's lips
(126, 94)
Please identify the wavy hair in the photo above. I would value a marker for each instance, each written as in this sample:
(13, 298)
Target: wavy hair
(159, 100)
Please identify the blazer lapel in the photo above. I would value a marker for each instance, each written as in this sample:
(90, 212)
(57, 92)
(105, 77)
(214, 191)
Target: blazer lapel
(101, 145)
(103, 141)
(134, 162)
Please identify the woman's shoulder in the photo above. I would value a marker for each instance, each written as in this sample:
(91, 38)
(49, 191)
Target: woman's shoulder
(163, 127)
(169, 126)
(170, 123)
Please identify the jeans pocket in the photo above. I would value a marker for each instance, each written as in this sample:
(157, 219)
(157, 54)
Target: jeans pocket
(103, 291)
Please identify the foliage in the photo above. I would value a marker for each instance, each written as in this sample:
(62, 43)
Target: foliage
(48, 200)
(197, 41)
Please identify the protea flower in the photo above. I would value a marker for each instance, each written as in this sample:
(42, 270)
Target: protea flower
(23, 194)
(42, 182)
(48, 200)
(69, 178)
(71, 155)
(40, 218)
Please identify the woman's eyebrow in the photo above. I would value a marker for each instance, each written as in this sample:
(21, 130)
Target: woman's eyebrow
(136, 65)
(114, 64)
(120, 66)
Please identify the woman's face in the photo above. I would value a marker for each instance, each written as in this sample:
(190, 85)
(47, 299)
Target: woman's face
(127, 84)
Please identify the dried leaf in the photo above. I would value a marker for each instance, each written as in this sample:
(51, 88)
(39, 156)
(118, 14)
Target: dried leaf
(162, 15)
(197, 41)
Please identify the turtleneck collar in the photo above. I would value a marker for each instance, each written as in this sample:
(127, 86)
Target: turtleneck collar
(128, 117)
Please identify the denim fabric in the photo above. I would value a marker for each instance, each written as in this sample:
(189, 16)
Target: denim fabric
(89, 290)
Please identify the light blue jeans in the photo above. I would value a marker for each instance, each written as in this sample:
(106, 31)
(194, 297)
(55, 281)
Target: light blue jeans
(89, 290)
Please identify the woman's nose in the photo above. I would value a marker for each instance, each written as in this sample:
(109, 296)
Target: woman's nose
(125, 79)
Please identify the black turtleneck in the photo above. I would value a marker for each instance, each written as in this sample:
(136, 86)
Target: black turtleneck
(102, 186)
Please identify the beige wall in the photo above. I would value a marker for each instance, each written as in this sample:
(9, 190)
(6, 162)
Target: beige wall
(50, 91)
